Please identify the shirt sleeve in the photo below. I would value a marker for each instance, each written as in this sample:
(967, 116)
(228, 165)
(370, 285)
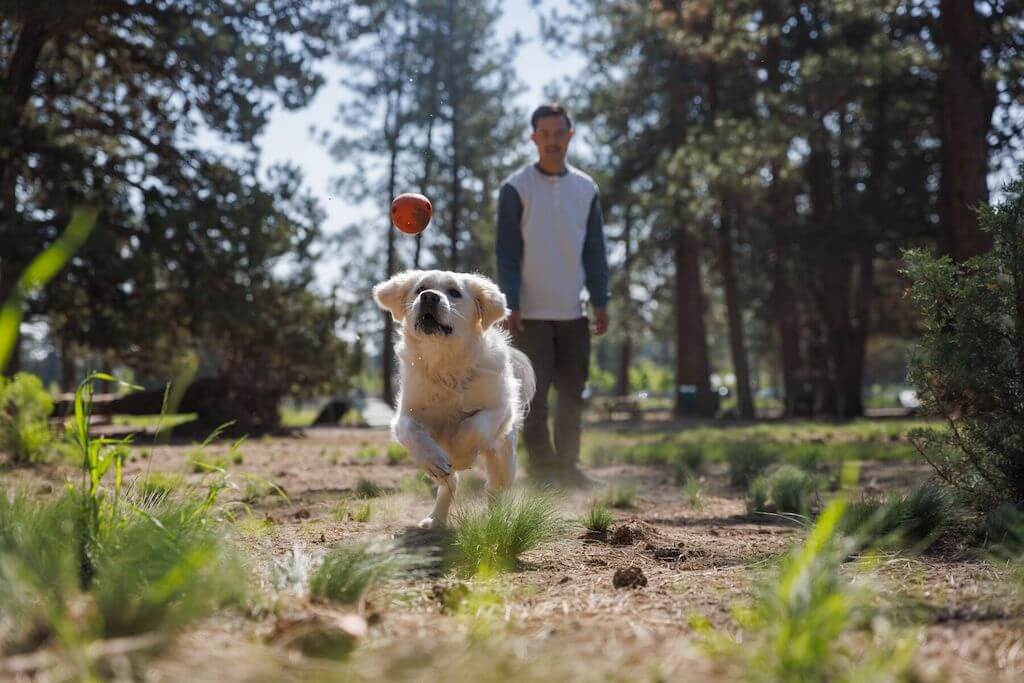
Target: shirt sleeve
(509, 244)
(595, 258)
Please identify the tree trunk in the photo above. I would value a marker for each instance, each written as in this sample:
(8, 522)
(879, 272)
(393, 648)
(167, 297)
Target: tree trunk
(737, 344)
(456, 185)
(14, 95)
(68, 377)
(692, 366)
(787, 319)
(626, 350)
(428, 145)
(394, 121)
(964, 129)
(387, 360)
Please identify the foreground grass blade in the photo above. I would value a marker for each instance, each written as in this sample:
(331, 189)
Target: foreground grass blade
(41, 270)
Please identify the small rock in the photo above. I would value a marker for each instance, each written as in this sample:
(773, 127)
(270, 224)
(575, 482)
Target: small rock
(320, 635)
(46, 488)
(323, 539)
(564, 579)
(302, 513)
(629, 577)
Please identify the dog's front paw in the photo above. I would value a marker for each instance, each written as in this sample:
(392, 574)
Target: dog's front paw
(437, 464)
(430, 523)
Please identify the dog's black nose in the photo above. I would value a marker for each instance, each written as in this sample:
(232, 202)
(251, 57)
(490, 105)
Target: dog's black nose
(429, 297)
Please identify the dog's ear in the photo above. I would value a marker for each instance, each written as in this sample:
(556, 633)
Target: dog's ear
(391, 295)
(490, 302)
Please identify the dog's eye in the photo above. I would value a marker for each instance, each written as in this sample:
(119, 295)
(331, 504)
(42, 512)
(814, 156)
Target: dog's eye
(454, 293)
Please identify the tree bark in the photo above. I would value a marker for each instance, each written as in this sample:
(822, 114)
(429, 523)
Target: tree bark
(737, 343)
(456, 185)
(14, 95)
(394, 121)
(68, 377)
(626, 350)
(787, 319)
(692, 365)
(964, 129)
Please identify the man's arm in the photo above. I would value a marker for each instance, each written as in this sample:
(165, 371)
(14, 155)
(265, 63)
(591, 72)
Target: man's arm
(595, 264)
(509, 244)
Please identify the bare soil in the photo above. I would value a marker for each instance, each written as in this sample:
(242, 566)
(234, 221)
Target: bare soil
(561, 615)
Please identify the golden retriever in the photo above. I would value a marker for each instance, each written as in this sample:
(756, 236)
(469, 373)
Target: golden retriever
(464, 389)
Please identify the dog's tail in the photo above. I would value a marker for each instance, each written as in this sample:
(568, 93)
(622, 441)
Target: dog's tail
(522, 370)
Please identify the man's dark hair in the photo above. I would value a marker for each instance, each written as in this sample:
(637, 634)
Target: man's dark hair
(552, 109)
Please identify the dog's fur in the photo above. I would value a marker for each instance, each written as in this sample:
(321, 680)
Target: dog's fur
(464, 389)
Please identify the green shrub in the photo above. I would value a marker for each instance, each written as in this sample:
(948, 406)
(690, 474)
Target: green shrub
(367, 488)
(348, 571)
(367, 452)
(746, 460)
(914, 520)
(784, 488)
(396, 454)
(598, 518)
(969, 367)
(492, 537)
(24, 408)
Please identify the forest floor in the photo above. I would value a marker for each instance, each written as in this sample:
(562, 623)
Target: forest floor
(558, 616)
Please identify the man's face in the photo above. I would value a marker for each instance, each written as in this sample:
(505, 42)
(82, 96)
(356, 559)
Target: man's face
(552, 138)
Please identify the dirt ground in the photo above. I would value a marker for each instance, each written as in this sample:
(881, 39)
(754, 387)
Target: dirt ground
(559, 616)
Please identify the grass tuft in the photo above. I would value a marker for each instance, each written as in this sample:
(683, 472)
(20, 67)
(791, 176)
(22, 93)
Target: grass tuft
(915, 520)
(598, 518)
(363, 512)
(785, 488)
(154, 566)
(746, 460)
(367, 488)
(492, 537)
(349, 571)
(802, 617)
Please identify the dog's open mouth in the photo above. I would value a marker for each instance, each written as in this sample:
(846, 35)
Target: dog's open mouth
(428, 323)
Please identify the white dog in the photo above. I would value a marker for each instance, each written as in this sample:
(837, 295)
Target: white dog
(464, 389)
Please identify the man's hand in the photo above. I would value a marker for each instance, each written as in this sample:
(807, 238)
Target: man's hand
(514, 322)
(600, 325)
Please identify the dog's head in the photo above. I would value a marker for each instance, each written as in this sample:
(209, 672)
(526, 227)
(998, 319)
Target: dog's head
(441, 305)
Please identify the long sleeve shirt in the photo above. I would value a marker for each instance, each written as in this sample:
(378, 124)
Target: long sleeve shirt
(550, 244)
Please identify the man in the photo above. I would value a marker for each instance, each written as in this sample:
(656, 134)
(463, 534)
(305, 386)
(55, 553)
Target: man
(550, 245)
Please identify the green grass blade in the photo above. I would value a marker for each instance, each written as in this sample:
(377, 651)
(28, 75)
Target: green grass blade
(41, 270)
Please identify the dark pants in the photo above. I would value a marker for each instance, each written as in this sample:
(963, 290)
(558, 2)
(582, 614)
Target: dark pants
(560, 353)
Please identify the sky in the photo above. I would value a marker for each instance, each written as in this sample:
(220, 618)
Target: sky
(287, 137)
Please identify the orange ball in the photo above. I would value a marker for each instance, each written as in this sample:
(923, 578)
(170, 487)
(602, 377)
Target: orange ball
(411, 212)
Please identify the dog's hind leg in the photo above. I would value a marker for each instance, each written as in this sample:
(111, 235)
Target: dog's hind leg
(501, 465)
(445, 492)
